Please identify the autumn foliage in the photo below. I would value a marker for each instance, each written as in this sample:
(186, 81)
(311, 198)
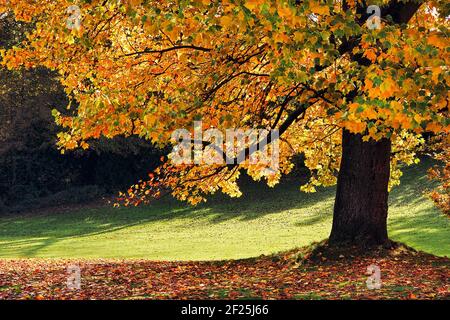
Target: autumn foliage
(405, 274)
(308, 68)
(337, 85)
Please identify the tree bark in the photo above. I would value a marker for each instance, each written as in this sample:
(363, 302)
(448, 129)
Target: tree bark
(361, 205)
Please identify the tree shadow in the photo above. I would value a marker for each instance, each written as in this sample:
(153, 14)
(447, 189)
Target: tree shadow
(258, 200)
(423, 231)
(414, 183)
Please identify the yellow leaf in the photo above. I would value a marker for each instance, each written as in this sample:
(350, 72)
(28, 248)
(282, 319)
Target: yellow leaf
(355, 126)
(226, 21)
(370, 113)
(319, 9)
(252, 4)
(371, 55)
(437, 41)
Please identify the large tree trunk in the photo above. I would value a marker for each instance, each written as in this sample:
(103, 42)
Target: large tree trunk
(361, 207)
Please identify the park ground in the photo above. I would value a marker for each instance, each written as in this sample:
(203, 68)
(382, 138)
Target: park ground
(171, 250)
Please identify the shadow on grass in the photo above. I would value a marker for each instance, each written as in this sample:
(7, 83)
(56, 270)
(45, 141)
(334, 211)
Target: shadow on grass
(258, 200)
(414, 184)
(422, 231)
(421, 225)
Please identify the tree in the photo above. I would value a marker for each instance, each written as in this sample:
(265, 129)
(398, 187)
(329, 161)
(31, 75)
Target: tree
(329, 76)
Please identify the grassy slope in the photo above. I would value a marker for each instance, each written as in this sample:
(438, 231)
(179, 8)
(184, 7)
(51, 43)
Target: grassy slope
(263, 221)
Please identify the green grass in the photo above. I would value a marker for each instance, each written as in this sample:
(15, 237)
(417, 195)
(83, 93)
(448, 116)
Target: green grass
(263, 221)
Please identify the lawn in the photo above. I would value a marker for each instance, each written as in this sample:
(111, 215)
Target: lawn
(263, 221)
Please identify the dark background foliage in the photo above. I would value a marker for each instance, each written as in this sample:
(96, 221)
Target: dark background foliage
(33, 173)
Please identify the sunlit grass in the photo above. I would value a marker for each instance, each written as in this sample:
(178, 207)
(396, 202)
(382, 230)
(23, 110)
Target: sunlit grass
(263, 221)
